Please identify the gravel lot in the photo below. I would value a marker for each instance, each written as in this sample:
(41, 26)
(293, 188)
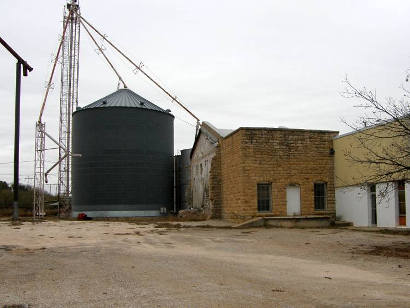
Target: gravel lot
(122, 264)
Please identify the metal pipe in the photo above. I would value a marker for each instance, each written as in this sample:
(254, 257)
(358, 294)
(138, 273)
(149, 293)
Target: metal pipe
(71, 59)
(59, 145)
(175, 186)
(55, 141)
(141, 70)
(52, 71)
(15, 54)
(17, 142)
(19, 64)
(53, 166)
(102, 52)
(78, 63)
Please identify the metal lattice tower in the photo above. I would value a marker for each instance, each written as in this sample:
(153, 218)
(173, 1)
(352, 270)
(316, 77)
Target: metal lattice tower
(68, 99)
(68, 57)
(38, 208)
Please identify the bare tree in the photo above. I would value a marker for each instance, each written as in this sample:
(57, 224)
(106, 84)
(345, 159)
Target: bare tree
(382, 135)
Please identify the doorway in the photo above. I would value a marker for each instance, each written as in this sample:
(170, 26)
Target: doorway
(402, 203)
(293, 200)
(373, 209)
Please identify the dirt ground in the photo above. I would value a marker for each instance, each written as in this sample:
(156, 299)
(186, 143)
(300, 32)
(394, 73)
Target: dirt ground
(122, 264)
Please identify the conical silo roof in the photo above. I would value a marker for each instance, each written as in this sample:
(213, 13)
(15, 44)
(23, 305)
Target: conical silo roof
(124, 98)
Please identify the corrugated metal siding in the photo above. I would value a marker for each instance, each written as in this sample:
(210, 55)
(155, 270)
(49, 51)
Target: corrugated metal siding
(126, 164)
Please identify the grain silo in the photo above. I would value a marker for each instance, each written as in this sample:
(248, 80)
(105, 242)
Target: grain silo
(126, 165)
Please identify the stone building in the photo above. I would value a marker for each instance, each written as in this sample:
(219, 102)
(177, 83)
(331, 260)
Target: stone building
(202, 154)
(252, 172)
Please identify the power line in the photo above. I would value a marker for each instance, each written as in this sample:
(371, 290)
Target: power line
(24, 161)
(178, 118)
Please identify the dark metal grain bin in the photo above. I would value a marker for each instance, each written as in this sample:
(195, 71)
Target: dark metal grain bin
(126, 165)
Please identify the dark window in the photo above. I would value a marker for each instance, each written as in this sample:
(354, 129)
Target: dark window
(320, 196)
(373, 204)
(264, 197)
(402, 198)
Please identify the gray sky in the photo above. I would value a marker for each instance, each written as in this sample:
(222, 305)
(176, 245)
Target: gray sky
(233, 63)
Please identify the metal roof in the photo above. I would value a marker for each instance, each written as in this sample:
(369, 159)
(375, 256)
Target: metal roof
(124, 98)
(221, 131)
(211, 133)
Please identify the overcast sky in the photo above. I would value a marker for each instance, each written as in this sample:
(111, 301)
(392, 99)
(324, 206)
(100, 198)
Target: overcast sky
(232, 63)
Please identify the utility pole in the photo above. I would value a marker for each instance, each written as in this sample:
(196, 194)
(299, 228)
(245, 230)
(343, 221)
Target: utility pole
(20, 63)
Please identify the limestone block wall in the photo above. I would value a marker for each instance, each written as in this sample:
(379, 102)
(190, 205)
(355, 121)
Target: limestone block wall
(281, 157)
(232, 196)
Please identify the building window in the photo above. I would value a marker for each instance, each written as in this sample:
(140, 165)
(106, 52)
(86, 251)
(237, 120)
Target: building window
(264, 197)
(320, 196)
(373, 204)
(402, 202)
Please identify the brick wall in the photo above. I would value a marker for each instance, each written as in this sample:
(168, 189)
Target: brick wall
(279, 156)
